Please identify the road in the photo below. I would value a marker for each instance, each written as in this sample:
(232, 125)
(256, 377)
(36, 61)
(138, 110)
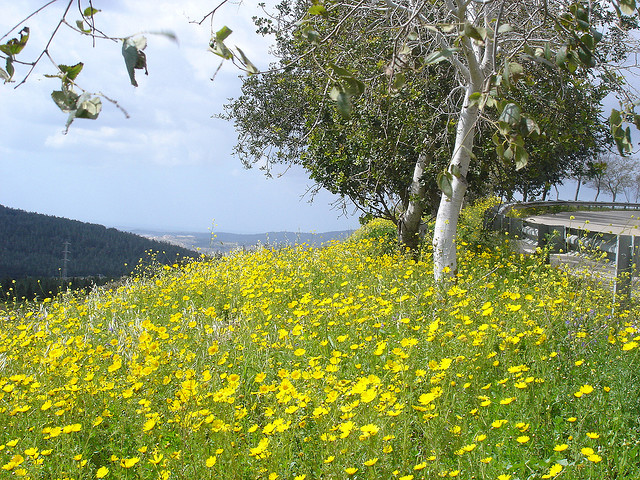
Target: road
(618, 222)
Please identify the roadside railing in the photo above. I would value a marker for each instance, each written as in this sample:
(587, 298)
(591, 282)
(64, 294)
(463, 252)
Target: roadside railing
(621, 251)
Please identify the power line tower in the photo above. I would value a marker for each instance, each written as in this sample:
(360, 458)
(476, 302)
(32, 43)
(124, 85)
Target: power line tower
(65, 260)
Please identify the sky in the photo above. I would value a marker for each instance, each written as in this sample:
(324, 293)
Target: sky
(169, 167)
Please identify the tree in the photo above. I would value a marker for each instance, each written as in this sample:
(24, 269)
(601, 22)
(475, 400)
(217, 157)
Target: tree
(372, 156)
(617, 175)
(595, 175)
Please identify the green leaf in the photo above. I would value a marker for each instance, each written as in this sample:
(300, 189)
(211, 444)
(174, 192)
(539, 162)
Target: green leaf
(90, 11)
(4, 75)
(310, 34)
(341, 72)
(444, 181)
(475, 99)
(334, 92)
(508, 153)
(88, 108)
(504, 128)
(251, 68)
(399, 79)
(354, 87)
(71, 72)
(318, 9)
(588, 41)
(628, 7)
(439, 55)
(615, 119)
(65, 100)
(636, 120)
(597, 36)
(516, 71)
(15, 46)
(561, 56)
(223, 33)
(548, 54)
(479, 34)
(531, 126)
(586, 57)
(405, 50)
(344, 105)
(521, 157)
(505, 28)
(447, 27)
(220, 49)
(10, 69)
(134, 57)
(510, 114)
(80, 25)
(455, 170)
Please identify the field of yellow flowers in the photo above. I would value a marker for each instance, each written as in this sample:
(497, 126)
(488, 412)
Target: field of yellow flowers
(341, 362)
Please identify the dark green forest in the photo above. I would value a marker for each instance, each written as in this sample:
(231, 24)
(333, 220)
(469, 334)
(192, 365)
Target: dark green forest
(32, 245)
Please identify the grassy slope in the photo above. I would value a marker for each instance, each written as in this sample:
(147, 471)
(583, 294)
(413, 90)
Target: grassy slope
(342, 362)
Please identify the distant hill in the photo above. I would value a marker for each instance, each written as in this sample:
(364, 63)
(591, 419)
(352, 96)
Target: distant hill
(32, 245)
(222, 242)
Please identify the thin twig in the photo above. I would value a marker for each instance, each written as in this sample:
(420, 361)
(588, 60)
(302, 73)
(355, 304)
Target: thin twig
(46, 48)
(27, 18)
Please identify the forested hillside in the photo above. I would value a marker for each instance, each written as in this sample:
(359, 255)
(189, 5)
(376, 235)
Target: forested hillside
(32, 245)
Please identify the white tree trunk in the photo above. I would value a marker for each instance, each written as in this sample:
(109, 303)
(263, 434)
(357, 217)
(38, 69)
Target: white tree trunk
(409, 225)
(444, 236)
(473, 74)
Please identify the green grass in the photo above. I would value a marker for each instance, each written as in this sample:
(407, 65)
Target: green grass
(340, 362)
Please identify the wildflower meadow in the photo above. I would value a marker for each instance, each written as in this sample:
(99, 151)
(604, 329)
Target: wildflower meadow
(340, 362)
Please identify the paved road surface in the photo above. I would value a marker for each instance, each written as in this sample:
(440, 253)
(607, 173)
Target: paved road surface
(625, 222)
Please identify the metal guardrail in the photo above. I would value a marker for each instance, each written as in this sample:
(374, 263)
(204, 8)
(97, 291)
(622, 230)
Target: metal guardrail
(623, 251)
(570, 204)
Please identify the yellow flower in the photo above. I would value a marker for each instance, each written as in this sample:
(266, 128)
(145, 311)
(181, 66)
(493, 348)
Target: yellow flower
(594, 458)
(351, 470)
(561, 447)
(593, 435)
(504, 477)
(371, 462)
(368, 395)
(211, 461)
(75, 427)
(587, 451)
(102, 472)
(522, 439)
(129, 462)
(553, 471)
(149, 424)
(406, 477)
